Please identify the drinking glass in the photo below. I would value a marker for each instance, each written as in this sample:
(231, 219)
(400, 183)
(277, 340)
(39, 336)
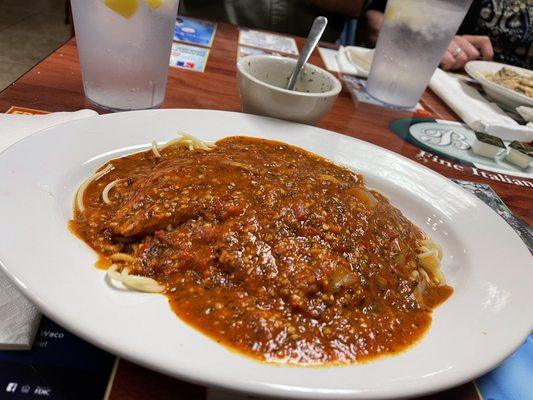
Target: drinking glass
(411, 43)
(124, 50)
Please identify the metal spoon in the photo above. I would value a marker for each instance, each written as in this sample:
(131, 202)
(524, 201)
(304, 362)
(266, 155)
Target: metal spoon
(319, 24)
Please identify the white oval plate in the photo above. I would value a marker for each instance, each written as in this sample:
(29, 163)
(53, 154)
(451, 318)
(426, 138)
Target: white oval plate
(485, 320)
(500, 94)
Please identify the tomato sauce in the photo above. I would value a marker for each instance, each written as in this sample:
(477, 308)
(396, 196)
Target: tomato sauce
(266, 248)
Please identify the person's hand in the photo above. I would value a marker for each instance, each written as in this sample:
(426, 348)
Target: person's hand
(465, 48)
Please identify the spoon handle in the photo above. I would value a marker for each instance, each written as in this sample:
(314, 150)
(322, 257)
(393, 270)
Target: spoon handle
(319, 24)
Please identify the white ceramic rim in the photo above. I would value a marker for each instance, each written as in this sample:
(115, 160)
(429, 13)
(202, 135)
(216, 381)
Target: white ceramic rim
(337, 86)
(264, 383)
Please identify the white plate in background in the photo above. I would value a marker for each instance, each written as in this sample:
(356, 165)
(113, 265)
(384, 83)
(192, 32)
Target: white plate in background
(505, 97)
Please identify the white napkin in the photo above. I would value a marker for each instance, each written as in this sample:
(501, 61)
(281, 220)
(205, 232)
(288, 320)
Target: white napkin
(477, 112)
(359, 58)
(351, 60)
(19, 318)
(14, 127)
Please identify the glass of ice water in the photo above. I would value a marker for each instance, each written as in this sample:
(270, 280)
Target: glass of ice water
(411, 43)
(124, 50)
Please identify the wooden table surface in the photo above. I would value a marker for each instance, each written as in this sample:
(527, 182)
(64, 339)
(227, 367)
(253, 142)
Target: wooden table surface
(55, 85)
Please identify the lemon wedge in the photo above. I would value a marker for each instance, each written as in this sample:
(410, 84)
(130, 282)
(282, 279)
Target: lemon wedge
(408, 13)
(126, 8)
(154, 4)
(391, 12)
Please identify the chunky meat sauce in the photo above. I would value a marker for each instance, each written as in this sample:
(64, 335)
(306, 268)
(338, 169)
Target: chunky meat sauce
(266, 248)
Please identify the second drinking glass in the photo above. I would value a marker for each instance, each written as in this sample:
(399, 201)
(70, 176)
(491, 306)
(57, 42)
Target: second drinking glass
(411, 43)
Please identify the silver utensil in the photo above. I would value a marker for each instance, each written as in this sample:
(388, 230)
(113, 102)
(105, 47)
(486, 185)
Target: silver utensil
(319, 25)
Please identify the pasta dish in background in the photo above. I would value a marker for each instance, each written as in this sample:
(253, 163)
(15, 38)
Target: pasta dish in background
(266, 248)
(508, 78)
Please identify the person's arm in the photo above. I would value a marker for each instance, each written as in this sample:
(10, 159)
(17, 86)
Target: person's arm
(369, 22)
(371, 25)
(351, 8)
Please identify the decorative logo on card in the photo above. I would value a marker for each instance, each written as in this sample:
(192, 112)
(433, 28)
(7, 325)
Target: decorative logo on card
(445, 137)
(441, 141)
(453, 140)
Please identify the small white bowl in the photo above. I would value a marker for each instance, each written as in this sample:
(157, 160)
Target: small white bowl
(262, 80)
